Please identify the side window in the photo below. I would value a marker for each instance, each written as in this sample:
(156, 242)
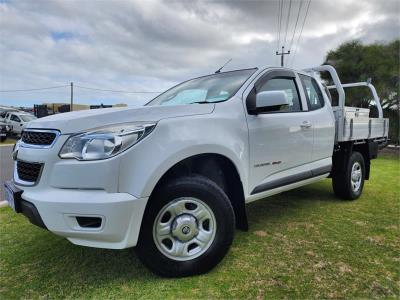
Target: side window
(313, 93)
(15, 118)
(288, 86)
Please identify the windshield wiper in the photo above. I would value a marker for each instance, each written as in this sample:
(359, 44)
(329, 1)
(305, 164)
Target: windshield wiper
(200, 102)
(207, 102)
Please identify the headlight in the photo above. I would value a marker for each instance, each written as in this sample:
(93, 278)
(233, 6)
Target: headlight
(105, 142)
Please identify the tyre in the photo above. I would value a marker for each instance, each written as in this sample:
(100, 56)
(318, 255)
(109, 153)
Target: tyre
(187, 228)
(349, 184)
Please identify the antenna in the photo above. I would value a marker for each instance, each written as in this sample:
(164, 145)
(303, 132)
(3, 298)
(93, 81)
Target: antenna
(219, 70)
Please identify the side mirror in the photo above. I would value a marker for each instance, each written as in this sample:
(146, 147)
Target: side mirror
(271, 101)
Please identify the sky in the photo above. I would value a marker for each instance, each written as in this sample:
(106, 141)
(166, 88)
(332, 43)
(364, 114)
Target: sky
(149, 46)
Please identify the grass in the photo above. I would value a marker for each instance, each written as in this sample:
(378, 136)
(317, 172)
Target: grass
(301, 244)
(8, 141)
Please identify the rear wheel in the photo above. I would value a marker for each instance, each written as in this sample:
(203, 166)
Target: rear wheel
(187, 228)
(349, 183)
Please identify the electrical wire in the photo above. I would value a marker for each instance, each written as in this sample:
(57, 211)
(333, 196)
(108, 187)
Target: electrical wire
(278, 30)
(32, 90)
(287, 21)
(278, 41)
(295, 26)
(115, 91)
(301, 31)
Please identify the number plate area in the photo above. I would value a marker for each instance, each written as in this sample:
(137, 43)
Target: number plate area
(12, 195)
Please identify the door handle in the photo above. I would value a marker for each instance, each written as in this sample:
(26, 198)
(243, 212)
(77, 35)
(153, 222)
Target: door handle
(305, 125)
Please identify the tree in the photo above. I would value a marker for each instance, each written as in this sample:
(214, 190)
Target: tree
(356, 62)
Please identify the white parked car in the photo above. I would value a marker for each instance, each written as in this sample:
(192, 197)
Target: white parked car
(4, 110)
(172, 178)
(18, 120)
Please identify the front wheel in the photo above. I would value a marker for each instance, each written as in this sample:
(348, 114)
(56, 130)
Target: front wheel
(187, 227)
(349, 184)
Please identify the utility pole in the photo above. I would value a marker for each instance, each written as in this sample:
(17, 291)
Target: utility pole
(282, 54)
(72, 96)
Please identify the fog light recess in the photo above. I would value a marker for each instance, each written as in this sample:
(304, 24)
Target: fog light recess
(89, 222)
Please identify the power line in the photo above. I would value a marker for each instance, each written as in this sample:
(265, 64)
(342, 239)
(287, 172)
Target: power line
(115, 91)
(31, 90)
(287, 21)
(278, 41)
(295, 26)
(301, 31)
(278, 27)
(79, 86)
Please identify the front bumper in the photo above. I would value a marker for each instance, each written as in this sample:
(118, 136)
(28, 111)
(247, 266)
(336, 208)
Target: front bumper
(4, 132)
(120, 215)
(67, 191)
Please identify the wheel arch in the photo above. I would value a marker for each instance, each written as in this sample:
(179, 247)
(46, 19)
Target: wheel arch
(218, 168)
(369, 150)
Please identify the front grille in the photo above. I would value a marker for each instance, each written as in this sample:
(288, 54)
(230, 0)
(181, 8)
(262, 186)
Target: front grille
(28, 171)
(39, 138)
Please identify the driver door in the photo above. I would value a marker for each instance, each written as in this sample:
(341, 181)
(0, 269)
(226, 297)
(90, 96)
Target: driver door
(280, 141)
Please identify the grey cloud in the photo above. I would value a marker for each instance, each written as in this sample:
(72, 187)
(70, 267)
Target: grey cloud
(150, 45)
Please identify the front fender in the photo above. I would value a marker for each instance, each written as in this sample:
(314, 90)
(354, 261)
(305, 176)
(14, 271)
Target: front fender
(143, 165)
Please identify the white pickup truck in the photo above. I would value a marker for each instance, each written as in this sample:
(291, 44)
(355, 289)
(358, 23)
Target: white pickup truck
(172, 178)
(18, 120)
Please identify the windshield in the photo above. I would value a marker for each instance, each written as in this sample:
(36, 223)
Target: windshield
(208, 89)
(27, 118)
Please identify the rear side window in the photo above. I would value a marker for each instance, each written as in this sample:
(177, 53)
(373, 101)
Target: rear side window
(313, 93)
(288, 86)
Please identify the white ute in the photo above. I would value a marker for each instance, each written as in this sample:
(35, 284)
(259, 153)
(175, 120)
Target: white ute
(172, 178)
(18, 120)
